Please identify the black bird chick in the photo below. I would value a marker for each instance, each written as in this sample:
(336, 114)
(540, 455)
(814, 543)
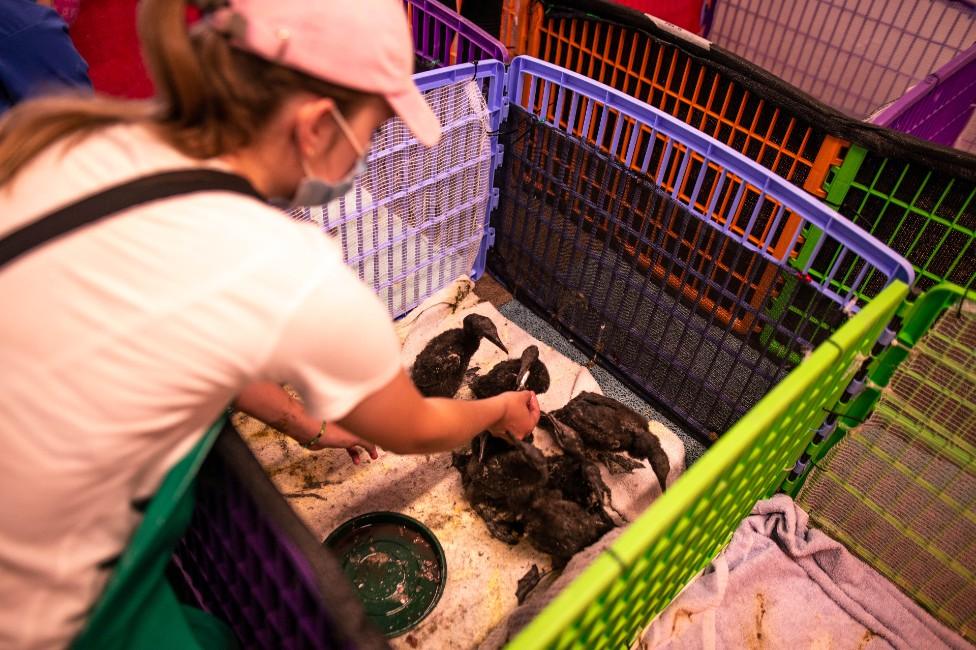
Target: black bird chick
(500, 478)
(556, 502)
(509, 374)
(604, 424)
(561, 527)
(569, 515)
(439, 368)
(526, 372)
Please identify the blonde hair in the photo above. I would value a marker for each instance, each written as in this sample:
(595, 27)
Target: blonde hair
(211, 98)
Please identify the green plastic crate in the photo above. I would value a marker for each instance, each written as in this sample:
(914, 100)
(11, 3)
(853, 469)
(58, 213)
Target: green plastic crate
(625, 587)
(926, 215)
(895, 481)
(138, 608)
(916, 319)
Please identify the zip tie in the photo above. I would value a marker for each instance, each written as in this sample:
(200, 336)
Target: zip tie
(837, 414)
(855, 387)
(612, 553)
(825, 430)
(887, 336)
(798, 469)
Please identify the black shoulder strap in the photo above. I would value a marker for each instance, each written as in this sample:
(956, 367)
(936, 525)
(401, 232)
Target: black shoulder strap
(115, 199)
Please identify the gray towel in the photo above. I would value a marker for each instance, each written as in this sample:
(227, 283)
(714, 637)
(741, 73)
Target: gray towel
(779, 584)
(782, 584)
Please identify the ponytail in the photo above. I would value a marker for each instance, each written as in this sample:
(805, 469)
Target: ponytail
(211, 99)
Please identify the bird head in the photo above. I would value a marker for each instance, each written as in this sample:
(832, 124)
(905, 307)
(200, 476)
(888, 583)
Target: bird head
(529, 356)
(477, 327)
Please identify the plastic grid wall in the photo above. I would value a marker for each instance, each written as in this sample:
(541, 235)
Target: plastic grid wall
(966, 141)
(927, 216)
(628, 269)
(241, 567)
(727, 192)
(444, 38)
(939, 107)
(853, 55)
(625, 587)
(673, 80)
(900, 489)
(669, 78)
(415, 220)
(514, 25)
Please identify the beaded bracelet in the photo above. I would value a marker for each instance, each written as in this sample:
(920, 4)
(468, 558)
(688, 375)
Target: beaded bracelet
(311, 443)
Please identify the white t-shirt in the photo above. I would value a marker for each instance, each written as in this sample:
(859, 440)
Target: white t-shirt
(121, 343)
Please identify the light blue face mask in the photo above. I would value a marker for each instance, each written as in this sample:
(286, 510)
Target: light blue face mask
(313, 191)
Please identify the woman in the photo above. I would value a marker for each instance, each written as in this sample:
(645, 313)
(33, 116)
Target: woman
(121, 341)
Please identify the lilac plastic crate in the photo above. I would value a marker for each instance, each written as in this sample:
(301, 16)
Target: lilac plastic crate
(443, 37)
(939, 107)
(854, 55)
(413, 197)
(247, 559)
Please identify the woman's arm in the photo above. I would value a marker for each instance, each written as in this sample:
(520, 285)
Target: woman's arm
(339, 349)
(398, 418)
(270, 403)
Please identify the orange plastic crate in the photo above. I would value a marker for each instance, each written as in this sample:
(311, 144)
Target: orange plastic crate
(662, 74)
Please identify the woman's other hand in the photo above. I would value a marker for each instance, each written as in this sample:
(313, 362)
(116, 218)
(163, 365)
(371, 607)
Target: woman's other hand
(520, 416)
(335, 437)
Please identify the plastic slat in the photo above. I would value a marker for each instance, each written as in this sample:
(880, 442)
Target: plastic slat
(794, 199)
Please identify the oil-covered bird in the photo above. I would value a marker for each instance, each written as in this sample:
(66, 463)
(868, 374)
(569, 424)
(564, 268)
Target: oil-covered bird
(603, 424)
(526, 372)
(569, 514)
(500, 478)
(439, 368)
(557, 503)
(562, 528)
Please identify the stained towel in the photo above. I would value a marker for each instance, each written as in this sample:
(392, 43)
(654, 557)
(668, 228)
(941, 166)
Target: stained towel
(782, 584)
(547, 589)
(779, 584)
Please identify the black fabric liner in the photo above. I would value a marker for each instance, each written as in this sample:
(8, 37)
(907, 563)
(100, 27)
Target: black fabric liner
(876, 139)
(936, 245)
(578, 256)
(232, 460)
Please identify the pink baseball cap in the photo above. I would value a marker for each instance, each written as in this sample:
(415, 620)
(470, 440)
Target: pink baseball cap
(364, 45)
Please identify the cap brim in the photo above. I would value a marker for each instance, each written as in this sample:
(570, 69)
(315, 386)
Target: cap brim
(411, 107)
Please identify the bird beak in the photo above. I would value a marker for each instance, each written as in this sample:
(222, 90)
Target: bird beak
(481, 447)
(494, 338)
(528, 358)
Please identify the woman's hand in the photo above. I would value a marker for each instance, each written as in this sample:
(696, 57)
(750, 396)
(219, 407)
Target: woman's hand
(270, 403)
(520, 416)
(335, 437)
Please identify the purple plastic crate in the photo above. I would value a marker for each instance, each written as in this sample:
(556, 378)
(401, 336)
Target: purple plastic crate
(853, 55)
(940, 106)
(443, 37)
(696, 276)
(698, 170)
(247, 559)
(492, 75)
(411, 197)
